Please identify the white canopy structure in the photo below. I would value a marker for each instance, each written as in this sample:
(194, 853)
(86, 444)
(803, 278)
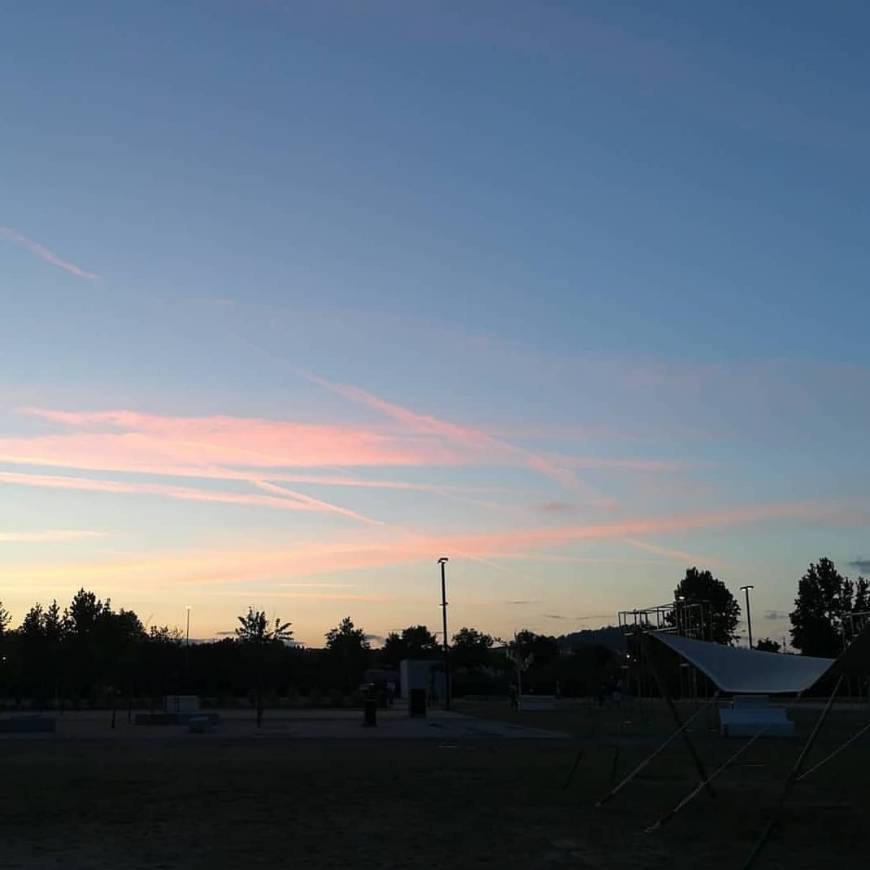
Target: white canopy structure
(747, 671)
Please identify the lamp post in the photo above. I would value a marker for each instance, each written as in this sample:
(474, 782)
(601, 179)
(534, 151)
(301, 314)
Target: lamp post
(442, 562)
(748, 614)
(187, 652)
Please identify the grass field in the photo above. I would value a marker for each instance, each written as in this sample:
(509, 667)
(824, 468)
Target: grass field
(220, 803)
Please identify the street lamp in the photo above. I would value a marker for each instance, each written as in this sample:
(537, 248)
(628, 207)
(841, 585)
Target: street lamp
(187, 652)
(748, 614)
(442, 562)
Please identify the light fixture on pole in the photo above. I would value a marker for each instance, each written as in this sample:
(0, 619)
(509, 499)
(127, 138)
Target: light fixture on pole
(442, 562)
(748, 614)
(187, 652)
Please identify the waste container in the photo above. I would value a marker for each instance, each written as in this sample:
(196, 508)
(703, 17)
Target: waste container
(417, 702)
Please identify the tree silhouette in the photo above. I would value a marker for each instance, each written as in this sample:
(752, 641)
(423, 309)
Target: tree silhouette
(720, 606)
(348, 651)
(393, 651)
(415, 642)
(819, 622)
(470, 648)
(257, 636)
(541, 648)
(5, 619)
(765, 644)
(255, 628)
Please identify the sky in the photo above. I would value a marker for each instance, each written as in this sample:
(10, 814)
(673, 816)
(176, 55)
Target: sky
(299, 297)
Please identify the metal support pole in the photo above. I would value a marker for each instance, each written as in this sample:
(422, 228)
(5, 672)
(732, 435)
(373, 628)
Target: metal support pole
(663, 690)
(696, 790)
(443, 561)
(627, 779)
(748, 614)
(792, 779)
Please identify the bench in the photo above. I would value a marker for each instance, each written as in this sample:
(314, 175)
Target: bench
(751, 714)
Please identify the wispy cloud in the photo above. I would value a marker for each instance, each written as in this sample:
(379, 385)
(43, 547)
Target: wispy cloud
(860, 564)
(288, 502)
(146, 440)
(393, 547)
(676, 555)
(470, 437)
(44, 253)
(48, 536)
(775, 615)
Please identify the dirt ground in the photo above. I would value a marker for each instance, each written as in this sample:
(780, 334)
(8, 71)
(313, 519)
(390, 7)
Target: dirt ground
(178, 801)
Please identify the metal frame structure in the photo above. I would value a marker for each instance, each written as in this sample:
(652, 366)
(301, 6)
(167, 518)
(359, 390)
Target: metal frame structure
(695, 620)
(692, 619)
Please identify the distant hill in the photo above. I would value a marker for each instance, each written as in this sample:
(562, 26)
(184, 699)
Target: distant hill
(612, 636)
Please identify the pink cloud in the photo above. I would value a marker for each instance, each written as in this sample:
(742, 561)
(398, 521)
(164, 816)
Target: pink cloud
(468, 436)
(289, 501)
(148, 439)
(44, 253)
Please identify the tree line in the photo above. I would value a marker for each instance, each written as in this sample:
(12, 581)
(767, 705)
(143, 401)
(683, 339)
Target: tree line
(828, 610)
(90, 653)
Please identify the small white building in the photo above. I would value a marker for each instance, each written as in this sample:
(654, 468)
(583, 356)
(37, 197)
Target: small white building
(425, 674)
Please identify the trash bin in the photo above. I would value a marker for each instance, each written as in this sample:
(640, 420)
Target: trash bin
(417, 702)
(370, 712)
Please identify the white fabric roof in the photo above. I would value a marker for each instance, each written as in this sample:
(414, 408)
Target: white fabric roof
(747, 671)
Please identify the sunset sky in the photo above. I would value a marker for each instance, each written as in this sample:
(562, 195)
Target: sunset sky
(298, 297)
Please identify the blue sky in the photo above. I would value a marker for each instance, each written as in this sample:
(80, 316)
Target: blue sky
(580, 287)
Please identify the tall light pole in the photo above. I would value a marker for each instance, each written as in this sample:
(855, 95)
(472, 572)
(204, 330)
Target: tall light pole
(442, 562)
(187, 652)
(748, 614)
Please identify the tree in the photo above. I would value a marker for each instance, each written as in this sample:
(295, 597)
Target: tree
(765, 644)
(541, 648)
(419, 642)
(348, 650)
(393, 652)
(861, 600)
(4, 622)
(82, 614)
(415, 642)
(825, 598)
(470, 648)
(257, 635)
(255, 628)
(721, 610)
(80, 623)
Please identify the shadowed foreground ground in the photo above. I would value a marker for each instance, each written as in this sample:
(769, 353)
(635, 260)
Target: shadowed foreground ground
(185, 802)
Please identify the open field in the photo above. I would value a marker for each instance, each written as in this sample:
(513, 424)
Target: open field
(92, 798)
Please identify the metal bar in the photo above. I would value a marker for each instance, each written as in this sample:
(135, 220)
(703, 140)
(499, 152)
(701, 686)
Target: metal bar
(696, 758)
(836, 752)
(573, 769)
(612, 793)
(697, 789)
(792, 779)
